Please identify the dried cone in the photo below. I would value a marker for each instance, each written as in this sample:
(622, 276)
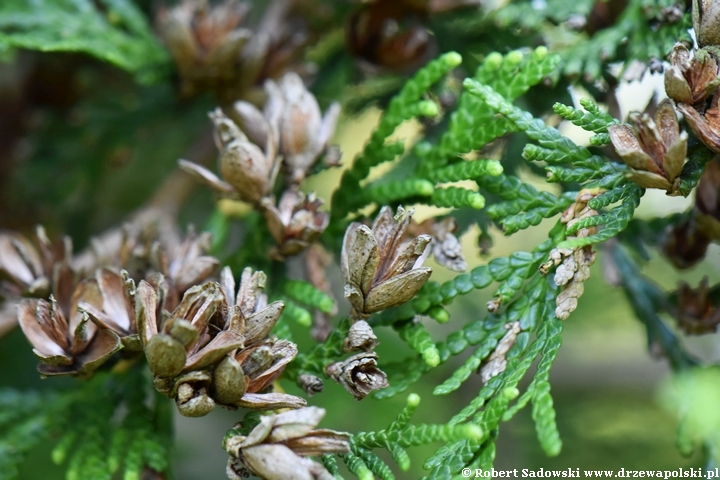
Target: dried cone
(30, 269)
(249, 172)
(690, 79)
(304, 134)
(244, 376)
(706, 22)
(696, 314)
(276, 449)
(707, 201)
(389, 35)
(358, 374)
(381, 269)
(180, 347)
(205, 41)
(183, 263)
(27, 267)
(655, 150)
(116, 310)
(686, 243)
(295, 223)
(64, 339)
(705, 125)
(446, 248)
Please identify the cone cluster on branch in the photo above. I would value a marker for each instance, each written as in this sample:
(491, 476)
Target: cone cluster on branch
(290, 135)
(382, 268)
(655, 149)
(215, 347)
(205, 342)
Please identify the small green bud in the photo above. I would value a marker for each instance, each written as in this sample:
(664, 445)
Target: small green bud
(514, 57)
(540, 52)
(425, 188)
(494, 168)
(431, 356)
(493, 61)
(427, 108)
(303, 318)
(413, 400)
(510, 393)
(477, 201)
(452, 59)
(439, 314)
(472, 431)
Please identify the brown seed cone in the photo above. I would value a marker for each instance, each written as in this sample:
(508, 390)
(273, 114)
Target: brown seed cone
(696, 314)
(380, 268)
(654, 149)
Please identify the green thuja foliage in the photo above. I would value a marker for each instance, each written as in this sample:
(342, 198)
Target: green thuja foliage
(113, 423)
(278, 293)
(115, 31)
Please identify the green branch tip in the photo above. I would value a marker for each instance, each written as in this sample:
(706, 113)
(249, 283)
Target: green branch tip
(494, 168)
(365, 474)
(511, 393)
(431, 356)
(413, 400)
(439, 314)
(477, 201)
(471, 431)
(541, 52)
(303, 318)
(514, 57)
(428, 108)
(493, 61)
(451, 59)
